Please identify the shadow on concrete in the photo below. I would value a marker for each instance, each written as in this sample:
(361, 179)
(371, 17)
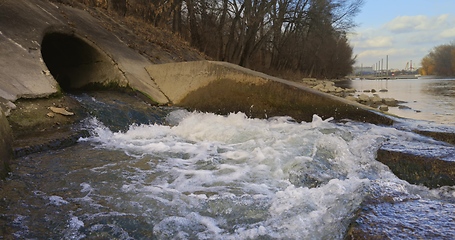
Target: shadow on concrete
(75, 63)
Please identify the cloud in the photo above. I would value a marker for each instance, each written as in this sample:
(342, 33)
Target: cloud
(369, 40)
(403, 24)
(448, 33)
(402, 39)
(383, 53)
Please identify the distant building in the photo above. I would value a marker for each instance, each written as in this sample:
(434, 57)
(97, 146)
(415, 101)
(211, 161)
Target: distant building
(363, 71)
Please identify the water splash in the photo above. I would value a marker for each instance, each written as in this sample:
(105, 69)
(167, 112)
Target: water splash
(206, 176)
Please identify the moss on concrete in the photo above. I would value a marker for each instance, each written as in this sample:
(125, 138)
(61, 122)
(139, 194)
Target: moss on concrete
(273, 99)
(430, 172)
(5, 145)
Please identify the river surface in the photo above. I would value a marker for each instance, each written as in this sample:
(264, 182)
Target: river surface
(430, 99)
(191, 175)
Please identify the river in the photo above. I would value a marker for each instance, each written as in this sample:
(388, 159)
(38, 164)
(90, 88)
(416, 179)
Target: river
(430, 99)
(192, 175)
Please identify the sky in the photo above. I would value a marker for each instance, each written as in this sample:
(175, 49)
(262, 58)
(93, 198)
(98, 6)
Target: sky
(405, 30)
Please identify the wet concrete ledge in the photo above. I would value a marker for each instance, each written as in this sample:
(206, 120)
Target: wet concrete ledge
(31, 29)
(420, 170)
(6, 138)
(222, 87)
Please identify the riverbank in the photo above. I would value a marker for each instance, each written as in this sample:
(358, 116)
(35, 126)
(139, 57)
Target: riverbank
(36, 127)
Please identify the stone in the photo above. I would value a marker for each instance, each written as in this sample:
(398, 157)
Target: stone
(331, 88)
(61, 111)
(383, 90)
(390, 102)
(319, 87)
(50, 114)
(364, 98)
(339, 90)
(351, 98)
(376, 99)
(384, 108)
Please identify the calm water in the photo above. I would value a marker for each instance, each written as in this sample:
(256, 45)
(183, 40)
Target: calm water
(204, 176)
(424, 99)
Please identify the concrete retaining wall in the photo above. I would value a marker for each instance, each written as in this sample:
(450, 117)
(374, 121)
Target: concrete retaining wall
(222, 87)
(25, 74)
(6, 139)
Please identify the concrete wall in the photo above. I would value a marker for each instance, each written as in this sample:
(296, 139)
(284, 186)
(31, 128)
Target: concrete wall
(6, 139)
(25, 74)
(222, 88)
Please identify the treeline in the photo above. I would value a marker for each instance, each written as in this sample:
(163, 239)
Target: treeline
(440, 61)
(306, 37)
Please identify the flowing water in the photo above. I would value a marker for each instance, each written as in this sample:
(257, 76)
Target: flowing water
(191, 175)
(429, 99)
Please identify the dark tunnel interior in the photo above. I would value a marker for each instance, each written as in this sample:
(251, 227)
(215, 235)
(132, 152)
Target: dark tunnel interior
(74, 63)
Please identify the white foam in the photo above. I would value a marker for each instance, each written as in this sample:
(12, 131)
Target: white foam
(285, 179)
(57, 200)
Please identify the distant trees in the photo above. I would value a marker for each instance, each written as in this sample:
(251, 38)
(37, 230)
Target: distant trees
(440, 61)
(302, 36)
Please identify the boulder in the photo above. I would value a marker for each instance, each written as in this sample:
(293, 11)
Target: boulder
(351, 98)
(364, 98)
(392, 102)
(384, 108)
(375, 99)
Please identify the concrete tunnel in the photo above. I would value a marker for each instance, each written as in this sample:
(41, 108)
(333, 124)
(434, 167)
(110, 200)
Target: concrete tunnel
(75, 63)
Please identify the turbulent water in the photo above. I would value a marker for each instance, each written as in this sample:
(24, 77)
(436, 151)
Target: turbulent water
(206, 176)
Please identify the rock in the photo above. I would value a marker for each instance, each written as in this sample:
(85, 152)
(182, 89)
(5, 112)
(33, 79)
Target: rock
(404, 107)
(6, 106)
(319, 87)
(350, 90)
(351, 98)
(373, 90)
(367, 90)
(364, 98)
(383, 90)
(384, 108)
(421, 170)
(50, 114)
(61, 111)
(390, 102)
(339, 90)
(376, 99)
(331, 88)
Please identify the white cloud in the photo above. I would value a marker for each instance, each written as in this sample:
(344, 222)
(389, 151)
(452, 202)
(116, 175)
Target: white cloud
(403, 39)
(403, 24)
(408, 23)
(448, 33)
(368, 39)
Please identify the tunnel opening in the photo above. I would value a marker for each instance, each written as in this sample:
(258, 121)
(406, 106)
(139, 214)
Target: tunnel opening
(76, 64)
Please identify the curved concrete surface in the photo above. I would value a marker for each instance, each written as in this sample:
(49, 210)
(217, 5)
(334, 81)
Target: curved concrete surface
(74, 63)
(49, 46)
(75, 47)
(222, 87)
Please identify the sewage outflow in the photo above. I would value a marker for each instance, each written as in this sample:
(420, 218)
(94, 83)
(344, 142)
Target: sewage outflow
(176, 174)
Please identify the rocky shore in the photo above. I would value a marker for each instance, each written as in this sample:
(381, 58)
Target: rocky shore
(374, 100)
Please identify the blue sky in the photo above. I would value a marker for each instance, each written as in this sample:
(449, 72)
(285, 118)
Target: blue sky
(404, 30)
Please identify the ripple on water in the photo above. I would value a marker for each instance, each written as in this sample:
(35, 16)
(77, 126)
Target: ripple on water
(225, 177)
